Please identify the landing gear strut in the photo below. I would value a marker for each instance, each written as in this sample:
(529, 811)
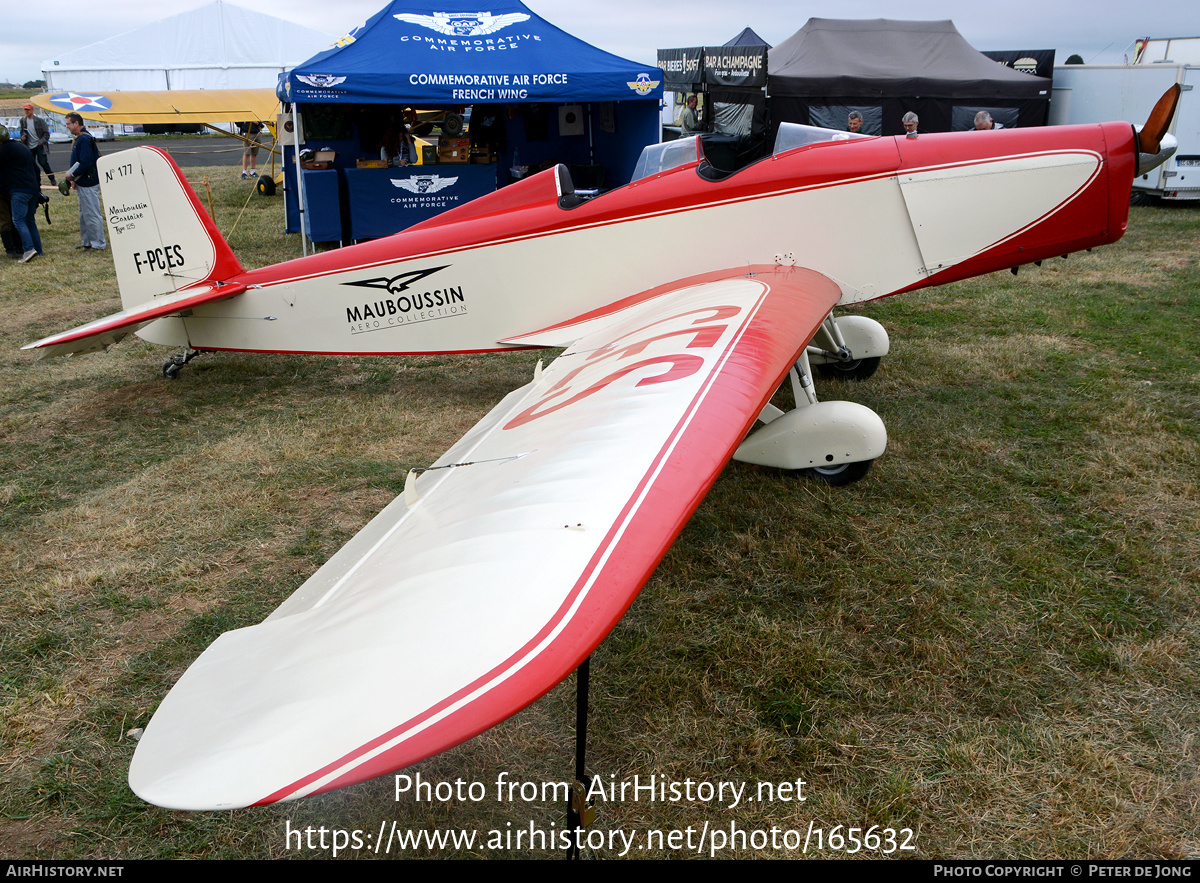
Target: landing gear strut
(834, 442)
(172, 366)
(850, 347)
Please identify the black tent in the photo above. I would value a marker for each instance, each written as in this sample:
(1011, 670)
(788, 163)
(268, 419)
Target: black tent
(746, 38)
(737, 96)
(885, 68)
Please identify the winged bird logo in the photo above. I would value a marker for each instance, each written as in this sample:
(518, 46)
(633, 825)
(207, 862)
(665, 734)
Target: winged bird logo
(463, 24)
(320, 81)
(423, 183)
(643, 85)
(397, 284)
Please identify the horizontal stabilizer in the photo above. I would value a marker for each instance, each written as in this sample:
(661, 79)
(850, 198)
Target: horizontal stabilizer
(103, 333)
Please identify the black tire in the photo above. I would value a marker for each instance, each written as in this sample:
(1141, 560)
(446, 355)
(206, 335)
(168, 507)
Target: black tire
(857, 369)
(265, 185)
(171, 369)
(453, 125)
(841, 475)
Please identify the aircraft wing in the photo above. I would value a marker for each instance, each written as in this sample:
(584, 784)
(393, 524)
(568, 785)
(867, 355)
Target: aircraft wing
(161, 107)
(500, 568)
(103, 333)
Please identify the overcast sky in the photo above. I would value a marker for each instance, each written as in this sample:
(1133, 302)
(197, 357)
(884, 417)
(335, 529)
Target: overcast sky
(1102, 31)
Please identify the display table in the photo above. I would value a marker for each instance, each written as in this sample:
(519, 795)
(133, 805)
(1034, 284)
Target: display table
(322, 205)
(386, 201)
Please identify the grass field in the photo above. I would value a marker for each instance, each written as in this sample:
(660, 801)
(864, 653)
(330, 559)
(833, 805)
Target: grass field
(992, 641)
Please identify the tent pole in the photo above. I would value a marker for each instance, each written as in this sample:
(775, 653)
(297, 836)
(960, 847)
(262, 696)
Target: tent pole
(299, 180)
(591, 136)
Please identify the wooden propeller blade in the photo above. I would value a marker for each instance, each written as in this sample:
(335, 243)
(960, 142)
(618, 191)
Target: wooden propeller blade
(1160, 120)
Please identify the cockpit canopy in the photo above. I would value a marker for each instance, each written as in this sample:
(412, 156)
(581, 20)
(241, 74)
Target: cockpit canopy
(658, 158)
(793, 135)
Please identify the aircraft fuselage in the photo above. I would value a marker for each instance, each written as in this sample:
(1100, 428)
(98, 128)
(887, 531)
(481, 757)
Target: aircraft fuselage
(877, 216)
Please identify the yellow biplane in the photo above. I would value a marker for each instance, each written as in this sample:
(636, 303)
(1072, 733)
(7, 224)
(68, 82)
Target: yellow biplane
(205, 107)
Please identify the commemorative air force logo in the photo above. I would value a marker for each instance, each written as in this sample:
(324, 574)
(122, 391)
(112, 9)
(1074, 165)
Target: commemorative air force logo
(423, 183)
(320, 81)
(643, 85)
(463, 24)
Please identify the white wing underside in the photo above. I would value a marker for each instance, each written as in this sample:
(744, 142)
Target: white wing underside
(444, 616)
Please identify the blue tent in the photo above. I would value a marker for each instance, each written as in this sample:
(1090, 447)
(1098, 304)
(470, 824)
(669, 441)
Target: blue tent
(540, 97)
(455, 52)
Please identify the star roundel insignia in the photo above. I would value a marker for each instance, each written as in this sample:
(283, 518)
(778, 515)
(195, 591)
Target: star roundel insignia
(79, 101)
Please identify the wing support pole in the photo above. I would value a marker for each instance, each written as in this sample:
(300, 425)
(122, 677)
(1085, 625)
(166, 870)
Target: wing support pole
(580, 812)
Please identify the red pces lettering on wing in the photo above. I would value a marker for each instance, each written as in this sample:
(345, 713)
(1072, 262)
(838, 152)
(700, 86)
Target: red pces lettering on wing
(682, 365)
(704, 331)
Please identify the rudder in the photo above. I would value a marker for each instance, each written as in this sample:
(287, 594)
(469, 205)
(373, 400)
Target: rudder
(161, 237)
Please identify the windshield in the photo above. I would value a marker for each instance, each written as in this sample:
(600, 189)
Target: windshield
(657, 158)
(793, 135)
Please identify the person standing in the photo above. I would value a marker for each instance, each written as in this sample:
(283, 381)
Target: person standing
(19, 180)
(83, 174)
(689, 120)
(35, 135)
(254, 130)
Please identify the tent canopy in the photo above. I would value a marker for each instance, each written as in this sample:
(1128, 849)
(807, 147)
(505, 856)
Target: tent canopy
(469, 52)
(218, 46)
(747, 38)
(891, 59)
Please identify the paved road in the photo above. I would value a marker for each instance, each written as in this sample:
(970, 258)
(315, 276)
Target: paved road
(212, 151)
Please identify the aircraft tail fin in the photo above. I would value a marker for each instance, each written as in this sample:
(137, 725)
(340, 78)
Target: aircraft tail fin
(162, 239)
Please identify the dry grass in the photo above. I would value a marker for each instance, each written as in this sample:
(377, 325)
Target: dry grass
(991, 641)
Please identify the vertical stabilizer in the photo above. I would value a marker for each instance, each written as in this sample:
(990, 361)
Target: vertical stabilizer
(161, 237)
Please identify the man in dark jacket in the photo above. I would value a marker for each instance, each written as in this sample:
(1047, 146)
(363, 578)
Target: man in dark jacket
(86, 179)
(19, 180)
(35, 135)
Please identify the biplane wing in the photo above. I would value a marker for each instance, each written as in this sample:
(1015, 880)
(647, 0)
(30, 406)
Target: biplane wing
(193, 106)
(500, 569)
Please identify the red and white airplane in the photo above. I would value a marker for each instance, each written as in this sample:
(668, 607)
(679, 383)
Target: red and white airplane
(683, 299)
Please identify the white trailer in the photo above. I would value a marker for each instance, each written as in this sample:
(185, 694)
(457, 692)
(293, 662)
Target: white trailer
(1093, 93)
(1172, 50)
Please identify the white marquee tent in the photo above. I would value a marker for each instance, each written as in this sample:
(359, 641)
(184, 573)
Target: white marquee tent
(218, 46)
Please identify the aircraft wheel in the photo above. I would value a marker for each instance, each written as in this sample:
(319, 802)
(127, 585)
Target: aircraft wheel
(171, 369)
(842, 474)
(857, 369)
(453, 125)
(265, 185)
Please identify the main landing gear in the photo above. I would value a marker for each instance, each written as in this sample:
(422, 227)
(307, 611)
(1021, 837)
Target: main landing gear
(850, 347)
(172, 366)
(834, 442)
